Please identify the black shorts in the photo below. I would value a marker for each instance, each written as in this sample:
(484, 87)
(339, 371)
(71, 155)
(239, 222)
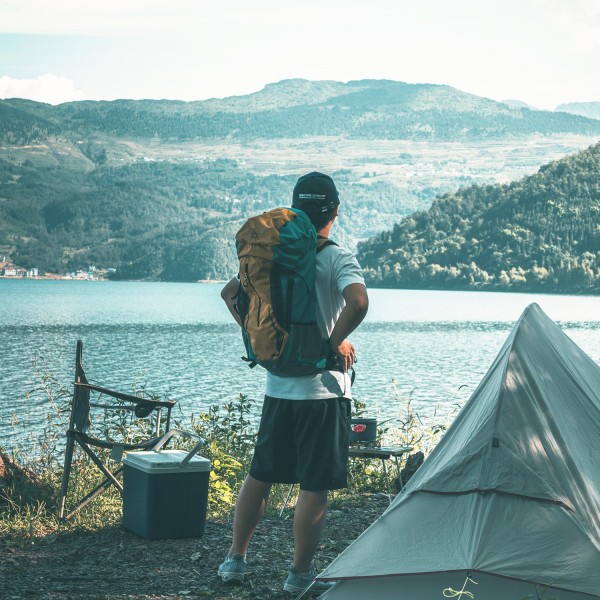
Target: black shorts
(303, 441)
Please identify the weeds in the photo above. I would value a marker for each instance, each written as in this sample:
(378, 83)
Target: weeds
(408, 428)
(28, 504)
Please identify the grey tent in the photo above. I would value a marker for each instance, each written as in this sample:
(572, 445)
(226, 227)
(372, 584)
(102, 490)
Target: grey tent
(510, 496)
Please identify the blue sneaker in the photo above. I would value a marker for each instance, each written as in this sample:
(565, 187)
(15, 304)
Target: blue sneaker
(232, 569)
(297, 582)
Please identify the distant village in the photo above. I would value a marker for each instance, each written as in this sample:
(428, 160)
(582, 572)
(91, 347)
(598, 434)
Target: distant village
(11, 271)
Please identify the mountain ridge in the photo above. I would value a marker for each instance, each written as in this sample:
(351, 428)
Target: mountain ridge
(590, 110)
(296, 108)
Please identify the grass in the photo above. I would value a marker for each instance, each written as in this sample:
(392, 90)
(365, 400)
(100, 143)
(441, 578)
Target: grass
(30, 496)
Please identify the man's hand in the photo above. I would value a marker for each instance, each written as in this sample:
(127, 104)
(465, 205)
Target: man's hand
(357, 304)
(345, 351)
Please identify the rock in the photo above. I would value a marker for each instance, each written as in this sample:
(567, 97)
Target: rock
(413, 462)
(26, 483)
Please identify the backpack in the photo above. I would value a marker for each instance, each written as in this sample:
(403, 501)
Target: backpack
(276, 299)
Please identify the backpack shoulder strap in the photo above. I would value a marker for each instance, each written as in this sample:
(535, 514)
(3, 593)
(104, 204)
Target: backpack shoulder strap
(322, 242)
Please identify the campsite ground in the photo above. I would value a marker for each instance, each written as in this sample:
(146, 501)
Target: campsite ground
(114, 564)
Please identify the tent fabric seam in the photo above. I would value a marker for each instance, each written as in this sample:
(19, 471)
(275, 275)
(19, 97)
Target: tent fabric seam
(467, 571)
(494, 491)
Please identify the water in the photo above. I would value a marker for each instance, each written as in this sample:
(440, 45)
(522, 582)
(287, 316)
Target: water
(179, 341)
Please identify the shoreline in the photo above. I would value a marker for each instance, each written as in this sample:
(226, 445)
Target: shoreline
(53, 277)
(576, 293)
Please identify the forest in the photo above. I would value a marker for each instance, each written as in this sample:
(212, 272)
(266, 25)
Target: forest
(538, 234)
(76, 188)
(157, 220)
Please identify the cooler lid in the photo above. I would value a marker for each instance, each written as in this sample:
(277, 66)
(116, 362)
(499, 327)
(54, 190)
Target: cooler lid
(165, 461)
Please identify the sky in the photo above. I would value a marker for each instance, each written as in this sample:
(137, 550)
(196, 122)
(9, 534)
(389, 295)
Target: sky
(542, 52)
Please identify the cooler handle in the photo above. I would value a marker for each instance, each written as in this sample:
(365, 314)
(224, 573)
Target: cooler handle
(173, 432)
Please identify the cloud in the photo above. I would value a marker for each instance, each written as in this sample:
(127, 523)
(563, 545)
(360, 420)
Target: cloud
(49, 88)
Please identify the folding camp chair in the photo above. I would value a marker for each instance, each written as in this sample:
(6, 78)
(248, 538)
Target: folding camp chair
(78, 433)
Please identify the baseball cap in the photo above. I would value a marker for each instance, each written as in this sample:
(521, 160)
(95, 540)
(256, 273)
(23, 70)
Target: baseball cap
(315, 192)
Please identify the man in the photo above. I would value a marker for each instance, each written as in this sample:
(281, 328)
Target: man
(304, 429)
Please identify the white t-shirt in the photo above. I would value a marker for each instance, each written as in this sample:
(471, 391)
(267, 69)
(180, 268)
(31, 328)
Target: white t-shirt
(336, 269)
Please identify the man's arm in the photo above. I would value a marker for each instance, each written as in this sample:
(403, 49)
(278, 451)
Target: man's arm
(228, 293)
(357, 305)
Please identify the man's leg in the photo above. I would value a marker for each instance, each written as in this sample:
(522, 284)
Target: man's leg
(249, 509)
(309, 518)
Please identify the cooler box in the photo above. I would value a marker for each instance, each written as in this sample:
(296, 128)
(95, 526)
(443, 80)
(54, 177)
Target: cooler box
(161, 499)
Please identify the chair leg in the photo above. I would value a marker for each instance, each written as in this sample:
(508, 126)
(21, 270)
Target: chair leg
(101, 466)
(99, 489)
(64, 485)
(110, 479)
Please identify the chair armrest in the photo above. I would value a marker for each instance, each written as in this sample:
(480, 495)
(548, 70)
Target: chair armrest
(128, 397)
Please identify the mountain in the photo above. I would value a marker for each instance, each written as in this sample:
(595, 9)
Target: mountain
(25, 121)
(518, 104)
(167, 220)
(591, 110)
(156, 189)
(367, 109)
(538, 234)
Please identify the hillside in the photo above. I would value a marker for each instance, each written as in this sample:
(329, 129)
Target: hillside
(368, 109)
(541, 233)
(167, 220)
(157, 189)
(590, 110)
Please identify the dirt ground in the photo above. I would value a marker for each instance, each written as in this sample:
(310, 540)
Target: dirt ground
(114, 564)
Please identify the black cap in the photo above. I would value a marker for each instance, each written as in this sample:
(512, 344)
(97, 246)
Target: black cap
(316, 193)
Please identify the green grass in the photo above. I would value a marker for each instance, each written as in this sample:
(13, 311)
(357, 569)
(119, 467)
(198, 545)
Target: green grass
(29, 500)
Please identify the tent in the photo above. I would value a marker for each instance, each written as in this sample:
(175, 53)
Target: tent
(510, 497)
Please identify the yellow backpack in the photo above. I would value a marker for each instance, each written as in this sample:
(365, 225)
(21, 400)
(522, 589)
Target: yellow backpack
(276, 299)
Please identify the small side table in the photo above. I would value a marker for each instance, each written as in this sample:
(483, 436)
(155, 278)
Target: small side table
(383, 453)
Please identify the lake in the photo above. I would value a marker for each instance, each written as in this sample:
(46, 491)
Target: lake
(178, 340)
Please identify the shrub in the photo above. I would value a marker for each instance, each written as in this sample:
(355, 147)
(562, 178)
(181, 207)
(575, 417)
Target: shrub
(28, 504)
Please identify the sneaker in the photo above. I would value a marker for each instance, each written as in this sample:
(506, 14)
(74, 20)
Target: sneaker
(232, 569)
(297, 582)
